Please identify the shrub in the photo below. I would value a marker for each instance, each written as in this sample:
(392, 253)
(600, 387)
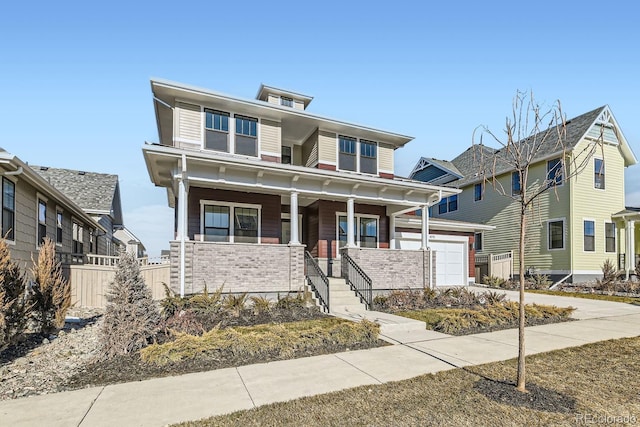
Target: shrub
(608, 281)
(234, 304)
(538, 281)
(494, 281)
(260, 305)
(291, 302)
(131, 318)
(172, 303)
(51, 293)
(206, 303)
(282, 340)
(13, 307)
(184, 321)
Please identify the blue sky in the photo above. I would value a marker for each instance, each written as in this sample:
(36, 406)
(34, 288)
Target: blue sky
(74, 76)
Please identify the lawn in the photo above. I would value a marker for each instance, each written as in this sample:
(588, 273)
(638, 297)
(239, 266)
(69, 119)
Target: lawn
(614, 298)
(567, 387)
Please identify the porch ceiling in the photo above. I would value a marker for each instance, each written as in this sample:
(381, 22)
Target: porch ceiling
(219, 170)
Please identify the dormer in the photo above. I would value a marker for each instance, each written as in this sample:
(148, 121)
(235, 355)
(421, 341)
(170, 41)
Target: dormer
(282, 97)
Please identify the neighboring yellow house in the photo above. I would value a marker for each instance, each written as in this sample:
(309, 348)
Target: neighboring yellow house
(573, 227)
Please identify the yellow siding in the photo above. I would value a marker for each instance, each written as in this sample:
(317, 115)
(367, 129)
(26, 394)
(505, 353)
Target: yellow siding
(327, 147)
(385, 158)
(310, 150)
(589, 203)
(270, 137)
(188, 124)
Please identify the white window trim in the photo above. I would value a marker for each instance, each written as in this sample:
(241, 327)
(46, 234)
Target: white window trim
(595, 234)
(615, 237)
(80, 227)
(15, 204)
(59, 210)
(594, 175)
(357, 154)
(231, 133)
(41, 198)
(564, 171)
(564, 231)
(357, 224)
(231, 207)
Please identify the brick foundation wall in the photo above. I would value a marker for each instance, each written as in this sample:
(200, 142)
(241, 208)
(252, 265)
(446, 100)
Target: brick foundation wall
(395, 269)
(239, 267)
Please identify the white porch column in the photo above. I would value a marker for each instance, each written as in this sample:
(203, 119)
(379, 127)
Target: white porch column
(392, 232)
(295, 239)
(182, 228)
(627, 247)
(351, 221)
(632, 246)
(425, 228)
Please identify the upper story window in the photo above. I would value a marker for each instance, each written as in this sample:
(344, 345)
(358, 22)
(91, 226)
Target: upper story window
(216, 130)
(448, 204)
(477, 192)
(285, 155)
(368, 157)
(357, 155)
(516, 188)
(246, 140)
(286, 102)
(78, 238)
(347, 160)
(59, 227)
(598, 165)
(8, 209)
(42, 221)
(554, 172)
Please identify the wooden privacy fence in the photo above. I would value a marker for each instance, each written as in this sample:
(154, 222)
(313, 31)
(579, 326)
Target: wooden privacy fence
(89, 283)
(496, 265)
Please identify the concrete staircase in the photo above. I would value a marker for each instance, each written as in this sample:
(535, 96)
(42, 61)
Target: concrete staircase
(342, 298)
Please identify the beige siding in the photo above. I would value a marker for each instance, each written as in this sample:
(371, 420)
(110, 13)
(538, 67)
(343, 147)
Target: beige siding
(327, 147)
(310, 150)
(270, 137)
(298, 105)
(385, 158)
(296, 153)
(188, 124)
(273, 99)
(589, 203)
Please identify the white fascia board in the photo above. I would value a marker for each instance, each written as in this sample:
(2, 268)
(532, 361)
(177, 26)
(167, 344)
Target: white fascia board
(439, 224)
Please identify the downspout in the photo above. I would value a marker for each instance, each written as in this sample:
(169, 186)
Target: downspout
(13, 173)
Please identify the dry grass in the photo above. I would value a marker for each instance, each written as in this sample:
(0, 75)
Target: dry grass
(614, 298)
(599, 379)
(459, 321)
(282, 340)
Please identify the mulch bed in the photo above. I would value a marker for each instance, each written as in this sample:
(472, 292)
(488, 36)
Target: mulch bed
(513, 325)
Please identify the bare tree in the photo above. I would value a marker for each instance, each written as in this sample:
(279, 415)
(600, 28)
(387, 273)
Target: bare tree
(531, 135)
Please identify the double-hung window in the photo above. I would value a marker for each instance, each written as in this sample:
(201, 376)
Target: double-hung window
(555, 231)
(285, 155)
(8, 209)
(589, 236)
(453, 203)
(216, 130)
(477, 192)
(448, 204)
(42, 221)
(598, 166)
(347, 159)
(516, 187)
(59, 227)
(246, 136)
(78, 238)
(477, 241)
(230, 223)
(554, 172)
(286, 102)
(368, 157)
(609, 237)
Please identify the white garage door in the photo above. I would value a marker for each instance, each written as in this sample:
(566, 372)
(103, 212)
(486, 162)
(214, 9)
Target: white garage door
(450, 265)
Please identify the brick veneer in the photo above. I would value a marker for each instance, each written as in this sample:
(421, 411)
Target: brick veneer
(240, 267)
(395, 269)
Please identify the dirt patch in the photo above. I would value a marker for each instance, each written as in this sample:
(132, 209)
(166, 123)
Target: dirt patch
(536, 398)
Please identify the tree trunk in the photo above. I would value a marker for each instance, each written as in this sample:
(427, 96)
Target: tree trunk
(521, 319)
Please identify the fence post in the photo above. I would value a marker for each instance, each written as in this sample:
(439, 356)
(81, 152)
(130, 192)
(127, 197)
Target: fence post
(490, 265)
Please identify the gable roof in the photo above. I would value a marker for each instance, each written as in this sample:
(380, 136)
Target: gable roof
(577, 129)
(95, 193)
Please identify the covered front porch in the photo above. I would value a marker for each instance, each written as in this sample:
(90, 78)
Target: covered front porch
(628, 223)
(246, 225)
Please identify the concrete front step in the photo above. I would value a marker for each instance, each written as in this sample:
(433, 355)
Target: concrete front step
(389, 324)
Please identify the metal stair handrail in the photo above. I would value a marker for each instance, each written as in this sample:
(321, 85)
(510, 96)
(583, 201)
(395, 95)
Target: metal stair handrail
(317, 279)
(357, 279)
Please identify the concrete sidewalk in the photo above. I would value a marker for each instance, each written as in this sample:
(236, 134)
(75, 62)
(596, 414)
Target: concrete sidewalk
(162, 401)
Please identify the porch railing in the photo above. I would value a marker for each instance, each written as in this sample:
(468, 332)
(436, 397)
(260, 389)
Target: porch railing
(317, 279)
(357, 279)
(622, 261)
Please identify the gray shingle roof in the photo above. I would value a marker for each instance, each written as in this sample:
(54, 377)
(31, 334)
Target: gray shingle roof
(444, 164)
(93, 192)
(469, 162)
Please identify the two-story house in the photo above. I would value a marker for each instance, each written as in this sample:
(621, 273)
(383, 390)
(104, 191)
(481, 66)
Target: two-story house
(33, 209)
(572, 228)
(255, 182)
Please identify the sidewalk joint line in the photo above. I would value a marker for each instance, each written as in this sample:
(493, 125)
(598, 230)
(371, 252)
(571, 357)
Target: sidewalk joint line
(438, 358)
(246, 388)
(91, 406)
(354, 366)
